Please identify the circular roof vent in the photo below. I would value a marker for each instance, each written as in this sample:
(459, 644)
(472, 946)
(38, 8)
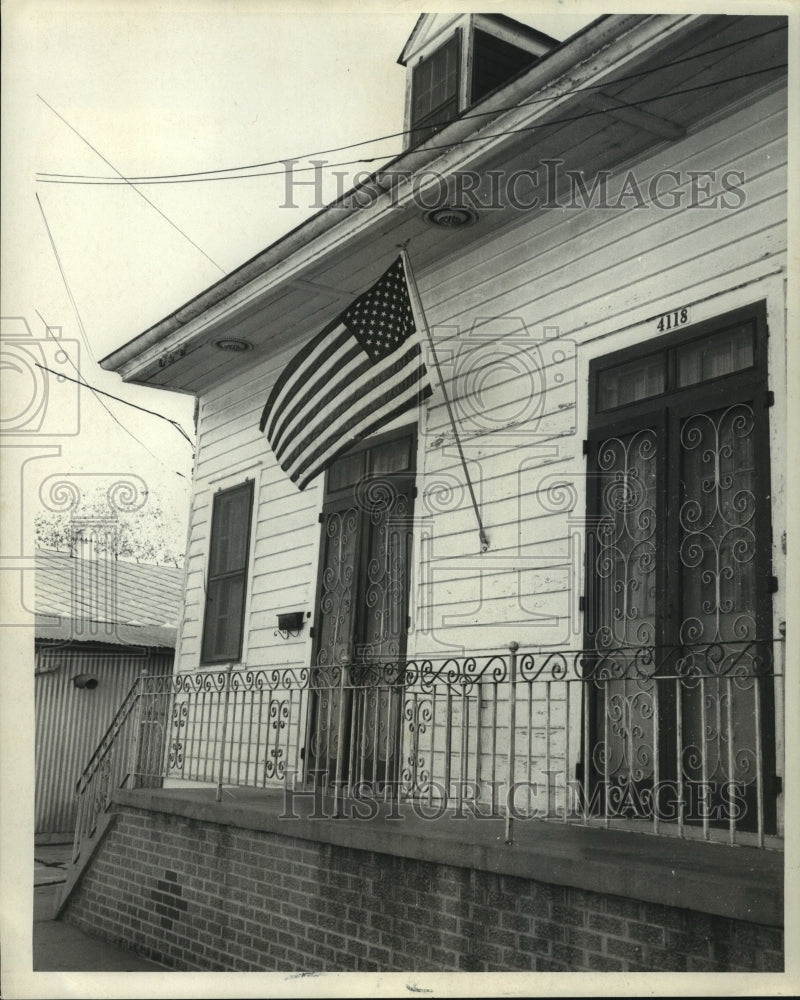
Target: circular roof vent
(231, 344)
(451, 217)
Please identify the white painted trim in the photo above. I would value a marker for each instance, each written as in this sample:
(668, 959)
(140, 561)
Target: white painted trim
(232, 477)
(465, 65)
(507, 34)
(430, 40)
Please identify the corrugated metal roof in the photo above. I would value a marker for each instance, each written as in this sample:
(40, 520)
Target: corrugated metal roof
(106, 600)
(49, 627)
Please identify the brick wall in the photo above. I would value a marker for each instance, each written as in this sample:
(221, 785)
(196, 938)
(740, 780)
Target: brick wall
(198, 896)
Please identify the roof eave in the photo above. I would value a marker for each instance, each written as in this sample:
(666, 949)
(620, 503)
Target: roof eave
(586, 43)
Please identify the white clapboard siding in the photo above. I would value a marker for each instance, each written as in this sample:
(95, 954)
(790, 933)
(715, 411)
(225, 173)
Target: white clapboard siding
(586, 274)
(514, 257)
(283, 554)
(615, 282)
(576, 271)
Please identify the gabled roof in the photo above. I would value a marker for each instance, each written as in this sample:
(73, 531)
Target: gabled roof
(106, 601)
(502, 20)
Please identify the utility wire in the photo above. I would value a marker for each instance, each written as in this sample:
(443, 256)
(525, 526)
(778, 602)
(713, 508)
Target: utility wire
(101, 392)
(83, 383)
(447, 145)
(208, 174)
(132, 186)
(97, 392)
(112, 415)
(64, 279)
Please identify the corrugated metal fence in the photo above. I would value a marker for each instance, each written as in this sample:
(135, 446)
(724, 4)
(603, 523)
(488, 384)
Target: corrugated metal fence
(70, 720)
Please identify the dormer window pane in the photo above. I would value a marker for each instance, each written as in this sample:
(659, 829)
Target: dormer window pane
(434, 92)
(495, 62)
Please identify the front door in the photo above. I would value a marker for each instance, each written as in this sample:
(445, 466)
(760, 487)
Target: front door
(680, 686)
(361, 621)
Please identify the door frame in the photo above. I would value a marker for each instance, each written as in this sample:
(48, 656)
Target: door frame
(332, 501)
(665, 411)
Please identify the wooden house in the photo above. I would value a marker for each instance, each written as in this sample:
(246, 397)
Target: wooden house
(538, 618)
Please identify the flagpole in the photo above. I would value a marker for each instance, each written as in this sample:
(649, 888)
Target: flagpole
(419, 314)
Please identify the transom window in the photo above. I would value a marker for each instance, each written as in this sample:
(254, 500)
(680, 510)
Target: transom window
(675, 367)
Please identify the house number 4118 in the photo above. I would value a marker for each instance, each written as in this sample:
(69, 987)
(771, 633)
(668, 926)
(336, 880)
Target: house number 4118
(670, 320)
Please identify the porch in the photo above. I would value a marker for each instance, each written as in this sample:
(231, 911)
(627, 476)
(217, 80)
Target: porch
(674, 741)
(227, 814)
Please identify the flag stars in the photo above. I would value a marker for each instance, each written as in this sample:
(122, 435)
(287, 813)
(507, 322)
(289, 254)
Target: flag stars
(381, 319)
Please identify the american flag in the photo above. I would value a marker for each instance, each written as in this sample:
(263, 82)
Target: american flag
(363, 370)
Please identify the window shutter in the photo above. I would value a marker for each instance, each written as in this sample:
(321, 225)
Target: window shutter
(226, 589)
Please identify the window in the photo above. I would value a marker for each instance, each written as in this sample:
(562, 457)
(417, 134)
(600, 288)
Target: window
(678, 571)
(361, 621)
(495, 62)
(434, 91)
(226, 587)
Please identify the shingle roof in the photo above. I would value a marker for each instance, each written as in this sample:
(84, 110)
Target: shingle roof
(106, 600)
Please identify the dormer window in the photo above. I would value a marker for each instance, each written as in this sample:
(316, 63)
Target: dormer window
(455, 60)
(434, 91)
(494, 62)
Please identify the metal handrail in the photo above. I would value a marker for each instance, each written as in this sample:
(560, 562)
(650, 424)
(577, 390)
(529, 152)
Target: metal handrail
(108, 738)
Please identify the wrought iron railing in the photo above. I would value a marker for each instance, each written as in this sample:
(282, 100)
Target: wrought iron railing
(108, 768)
(674, 740)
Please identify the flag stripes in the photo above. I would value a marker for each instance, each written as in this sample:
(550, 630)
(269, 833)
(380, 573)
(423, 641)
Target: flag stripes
(334, 338)
(342, 366)
(361, 425)
(361, 371)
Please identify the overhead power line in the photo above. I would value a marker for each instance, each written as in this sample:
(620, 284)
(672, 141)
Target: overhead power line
(131, 185)
(101, 392)
(82, 382)
(64, 279)
(447, 145)
(238, 172)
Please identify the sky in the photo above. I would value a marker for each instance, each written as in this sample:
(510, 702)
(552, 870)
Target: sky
(143, 88)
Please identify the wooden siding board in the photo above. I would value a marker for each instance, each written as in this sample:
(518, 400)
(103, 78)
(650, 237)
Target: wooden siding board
(266, 603)
(587, 272)
(724, 144)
